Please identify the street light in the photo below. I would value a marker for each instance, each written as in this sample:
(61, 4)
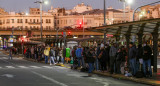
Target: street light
(124, 7)
(41, 2)
(104, 20)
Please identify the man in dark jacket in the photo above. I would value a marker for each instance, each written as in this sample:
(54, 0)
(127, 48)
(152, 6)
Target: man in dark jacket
(98, 51)
(90, 60)
(139, 57)
(112, 55)
(147, 59)
(132, 58)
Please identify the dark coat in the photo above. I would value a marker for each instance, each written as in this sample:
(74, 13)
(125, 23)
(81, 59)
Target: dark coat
(89, 57)
(132, 52)
(148, 53)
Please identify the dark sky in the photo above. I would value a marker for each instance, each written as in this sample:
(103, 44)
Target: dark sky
(24, 5)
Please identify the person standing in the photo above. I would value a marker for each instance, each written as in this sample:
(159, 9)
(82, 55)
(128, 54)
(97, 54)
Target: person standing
(79, 56)
(35, 53)
(64, 54)
(147, 60)
(119, 60)
(98, 51)
(67, 55)
(112, 54)
(32, 52)
(132, 58)
(51, 55)
(10, 54)
(90, 56)
(103, 59)
(46, 53)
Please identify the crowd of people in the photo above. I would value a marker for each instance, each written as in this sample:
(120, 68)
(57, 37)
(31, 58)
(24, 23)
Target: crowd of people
(114, 59)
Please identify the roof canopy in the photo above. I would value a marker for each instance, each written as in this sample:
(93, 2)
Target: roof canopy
(136, 27)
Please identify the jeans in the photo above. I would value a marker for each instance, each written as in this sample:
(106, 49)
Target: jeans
(80, 61)
(133, 65)
(147, 63)
(91, 67)
(52, 60)
(62, 60)
(97, 64)
(46, 59)
(112, 64)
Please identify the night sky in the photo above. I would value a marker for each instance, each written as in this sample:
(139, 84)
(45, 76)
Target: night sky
(24, 5)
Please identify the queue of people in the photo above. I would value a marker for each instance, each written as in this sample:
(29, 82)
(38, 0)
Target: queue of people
(114, 59)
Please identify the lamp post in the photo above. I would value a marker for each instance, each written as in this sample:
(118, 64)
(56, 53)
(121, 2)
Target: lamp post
(83, 26)
(124, 7)
(41, 2)
(104, 20)
(143, 6)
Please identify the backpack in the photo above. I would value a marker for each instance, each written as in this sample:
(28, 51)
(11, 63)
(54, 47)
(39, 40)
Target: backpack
(139, 74)
(79, 51)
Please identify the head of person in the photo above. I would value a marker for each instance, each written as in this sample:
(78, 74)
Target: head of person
(145, 44)
(119, 50)
(91, 50)
(79, 46)
(131, 44)
(114, 44)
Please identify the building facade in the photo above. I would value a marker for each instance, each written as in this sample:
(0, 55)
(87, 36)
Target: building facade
(58, 18)
(148, 12)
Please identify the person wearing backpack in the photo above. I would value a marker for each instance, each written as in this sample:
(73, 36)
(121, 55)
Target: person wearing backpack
(79, 56)
(147, 51)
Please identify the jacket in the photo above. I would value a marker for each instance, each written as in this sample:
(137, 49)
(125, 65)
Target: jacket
(147, 52)
(132, 52)
(113, 51)
(89, 57)
(79, 52)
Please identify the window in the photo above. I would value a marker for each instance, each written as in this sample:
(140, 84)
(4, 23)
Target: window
(12, 20)
(26, 20)
(34, 21)
(46, 20)
(30, 20)
(49, 20)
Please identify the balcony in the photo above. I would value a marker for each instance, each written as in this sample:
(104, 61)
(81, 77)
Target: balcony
(33, 22)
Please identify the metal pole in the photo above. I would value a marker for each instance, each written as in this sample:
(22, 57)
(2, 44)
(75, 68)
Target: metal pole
(41, 20)
(104, 12)
(104, 20)
(83, 26)
(124, 12)
(22, 24)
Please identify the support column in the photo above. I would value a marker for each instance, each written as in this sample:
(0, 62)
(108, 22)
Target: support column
(155, 51)
(155, 46)
(140, 36)
(128, 41)
(128, 34)
(104, 38)
(117, 38)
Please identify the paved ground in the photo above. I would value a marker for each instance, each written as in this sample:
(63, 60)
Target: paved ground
(19, 72)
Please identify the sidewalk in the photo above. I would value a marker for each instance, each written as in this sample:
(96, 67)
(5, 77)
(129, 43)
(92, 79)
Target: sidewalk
(154, 81)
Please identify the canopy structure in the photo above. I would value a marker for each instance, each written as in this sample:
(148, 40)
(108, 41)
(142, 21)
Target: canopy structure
(144, 27)
(139, 28)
